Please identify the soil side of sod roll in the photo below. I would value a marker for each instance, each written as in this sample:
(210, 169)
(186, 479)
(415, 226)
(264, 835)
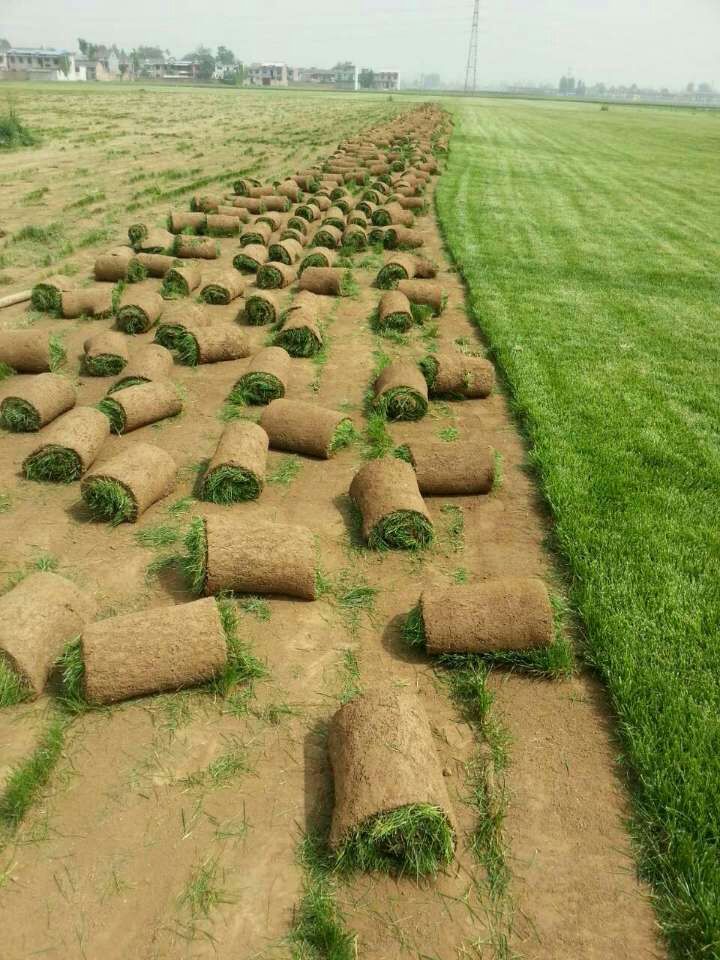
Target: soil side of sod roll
(258, 234)
(150, 362)
(37, 618)
(95, 301)
(298, 426)
(36, 401)
(244, 555)
(156, 264)
(265, 379)
(392, 811)
(460, 468)
(237, 469)
(222, 225)
(179, 220)
(123, 487)
(402, 238)
(121, 264)
(151, 241)
(142, 404)
(194, 248)
(401, 392)
(138, 310)
(69, 446)
(106, 354)
(212, 344)
(511, 613)
(166, 648)
(425, 292)
(324, 281)
(454, 374)
(394, 515)
(26, 351)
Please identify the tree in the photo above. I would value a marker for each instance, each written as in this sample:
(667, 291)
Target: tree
(580, 89)
(149, 53)
(83, 45)
(224, 56)
(366, 78)
(205, 61)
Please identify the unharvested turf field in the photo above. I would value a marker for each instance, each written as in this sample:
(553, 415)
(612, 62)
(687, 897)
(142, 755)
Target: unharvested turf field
(589, 241)
(194, 824)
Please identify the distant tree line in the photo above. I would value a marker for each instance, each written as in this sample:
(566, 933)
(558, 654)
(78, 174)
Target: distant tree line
(570, 87)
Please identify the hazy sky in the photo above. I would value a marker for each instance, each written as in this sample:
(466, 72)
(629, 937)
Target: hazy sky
(648, 42)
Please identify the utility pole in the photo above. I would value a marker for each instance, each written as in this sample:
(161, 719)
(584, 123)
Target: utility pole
(471, 69)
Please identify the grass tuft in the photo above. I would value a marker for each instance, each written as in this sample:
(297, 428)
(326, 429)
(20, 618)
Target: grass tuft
(319, 928)
(402, 403)
(114, 412)
(13, 688)
(194, 562)
(103, 365)
(109, 501)
(345, 435)
(256, 388)
(53, 464)
(227, 484)
(29, 778)
(401, 530)
(18, 416)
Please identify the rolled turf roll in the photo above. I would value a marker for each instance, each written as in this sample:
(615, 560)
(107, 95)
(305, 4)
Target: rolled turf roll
(376, 236)
(300, 333)
(424, 292)
(286, 251)
(138, 310)
(187, 220)
(205, 202)
(166, 648)
(242, 216)
(250, 258)
(237, 470)
(180, 280)
(253, 205)
(223, 287)
(335, 217)
(106, 354)
(394, 312)
(36, 401)
(30, 351)
(307, 211)
(296, 235)
(37, 618)
(244, 185)
(69, 447)
(355, 238)
(178, 317)
(275, 276)
(392, 811)
(277, 204)
(119, 264)
(402, 238)
(322, 201)
(262, 307)
(394, 515)
(265, 379)
(401, 266)
(300, 427)
(298, 224)
(221, 225)
(273, 220)
(401, 392)
(328, 236)
(123, 487)
(329, 281)
(156, 264)
(144, 403)
(343, 201)
(459, 375)
(317, 257)
(463, 467)
(46, 296)
(195, 248)
(392, 213)
(212, 344)
(511, 613)
(307, 181)
(95, 301)
(153, 241)
(232, 553)
(416, 204)
(424, 269)
(257, 233)
(149, 362)
(290, 189)
(357, 218)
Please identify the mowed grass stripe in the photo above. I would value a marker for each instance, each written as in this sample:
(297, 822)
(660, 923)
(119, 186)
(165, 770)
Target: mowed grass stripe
(589, 243)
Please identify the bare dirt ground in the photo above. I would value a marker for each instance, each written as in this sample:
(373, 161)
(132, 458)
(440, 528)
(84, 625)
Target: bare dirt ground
(135, 811)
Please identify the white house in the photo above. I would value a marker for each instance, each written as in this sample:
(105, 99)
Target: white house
(45, 64)
(267, 75)
(386, 80)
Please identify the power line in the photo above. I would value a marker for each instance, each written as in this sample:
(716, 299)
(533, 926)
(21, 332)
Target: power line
(471, 69)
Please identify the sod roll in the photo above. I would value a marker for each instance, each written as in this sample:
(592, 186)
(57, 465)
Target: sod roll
(180, 280)
(222, 225)
(253, 205)
(276, 204)
(463, 467)
(275, 276)
(138, 310)
(424, 292)
(265, 379)
(195, 248)
(398, 267)
(36, 401)
(176, 318)
(262, 307)
(258, 234)
(300, 334)
(187, 220)
(68, 448)
(26, 351)
(290, 189)
(242, 216)
(322, 257)
(401, 392)
(46, 296)
(119, 264)
(402, 238)
(286, 251)
(123, 487)
(245, 555)
(458, 374)
(394, 311)
(250, 258)
(106, 354)
(141, 404)
(307, 211)
(326, 281)
(150, 362)
(512, 613)
(95, 301)
(237, 470)
(290, 233)
(392, 810)
(156, 264)
(244, 185)
(328, 236)
(213, 344)
(354, 237)
(273, 220)
(165, 648)
(222, 287)
(154, 241)
(205, 202)
(297, 426)
(393, 511)
(37, 618)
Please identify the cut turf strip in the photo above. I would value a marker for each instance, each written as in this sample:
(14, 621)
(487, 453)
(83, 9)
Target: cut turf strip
(301, 427)
(394, 515)
(69, 447)
(401, 392)
(236, 472)
(120, 489)
(36, 402)
(265, 379)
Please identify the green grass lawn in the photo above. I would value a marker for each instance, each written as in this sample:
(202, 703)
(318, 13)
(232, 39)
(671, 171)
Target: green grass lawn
(589, 241)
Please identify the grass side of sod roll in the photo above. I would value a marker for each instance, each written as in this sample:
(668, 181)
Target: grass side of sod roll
(257, 388)
(13, 688)
(19, 416)
(103, 365)
(588, 240)
(402, 403)
(194, 561)
(114, 412)
(401, 530)
(108, 500)
(227, 484)
(53, 464)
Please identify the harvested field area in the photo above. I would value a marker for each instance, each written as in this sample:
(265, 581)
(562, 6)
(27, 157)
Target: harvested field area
(314, 692)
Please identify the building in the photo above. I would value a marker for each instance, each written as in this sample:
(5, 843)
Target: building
(181, 69)
(386, 80)
(101, 68)
(30, 63)
(267, 75)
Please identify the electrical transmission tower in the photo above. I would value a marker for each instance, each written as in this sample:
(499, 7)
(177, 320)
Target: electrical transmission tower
(471, 70)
